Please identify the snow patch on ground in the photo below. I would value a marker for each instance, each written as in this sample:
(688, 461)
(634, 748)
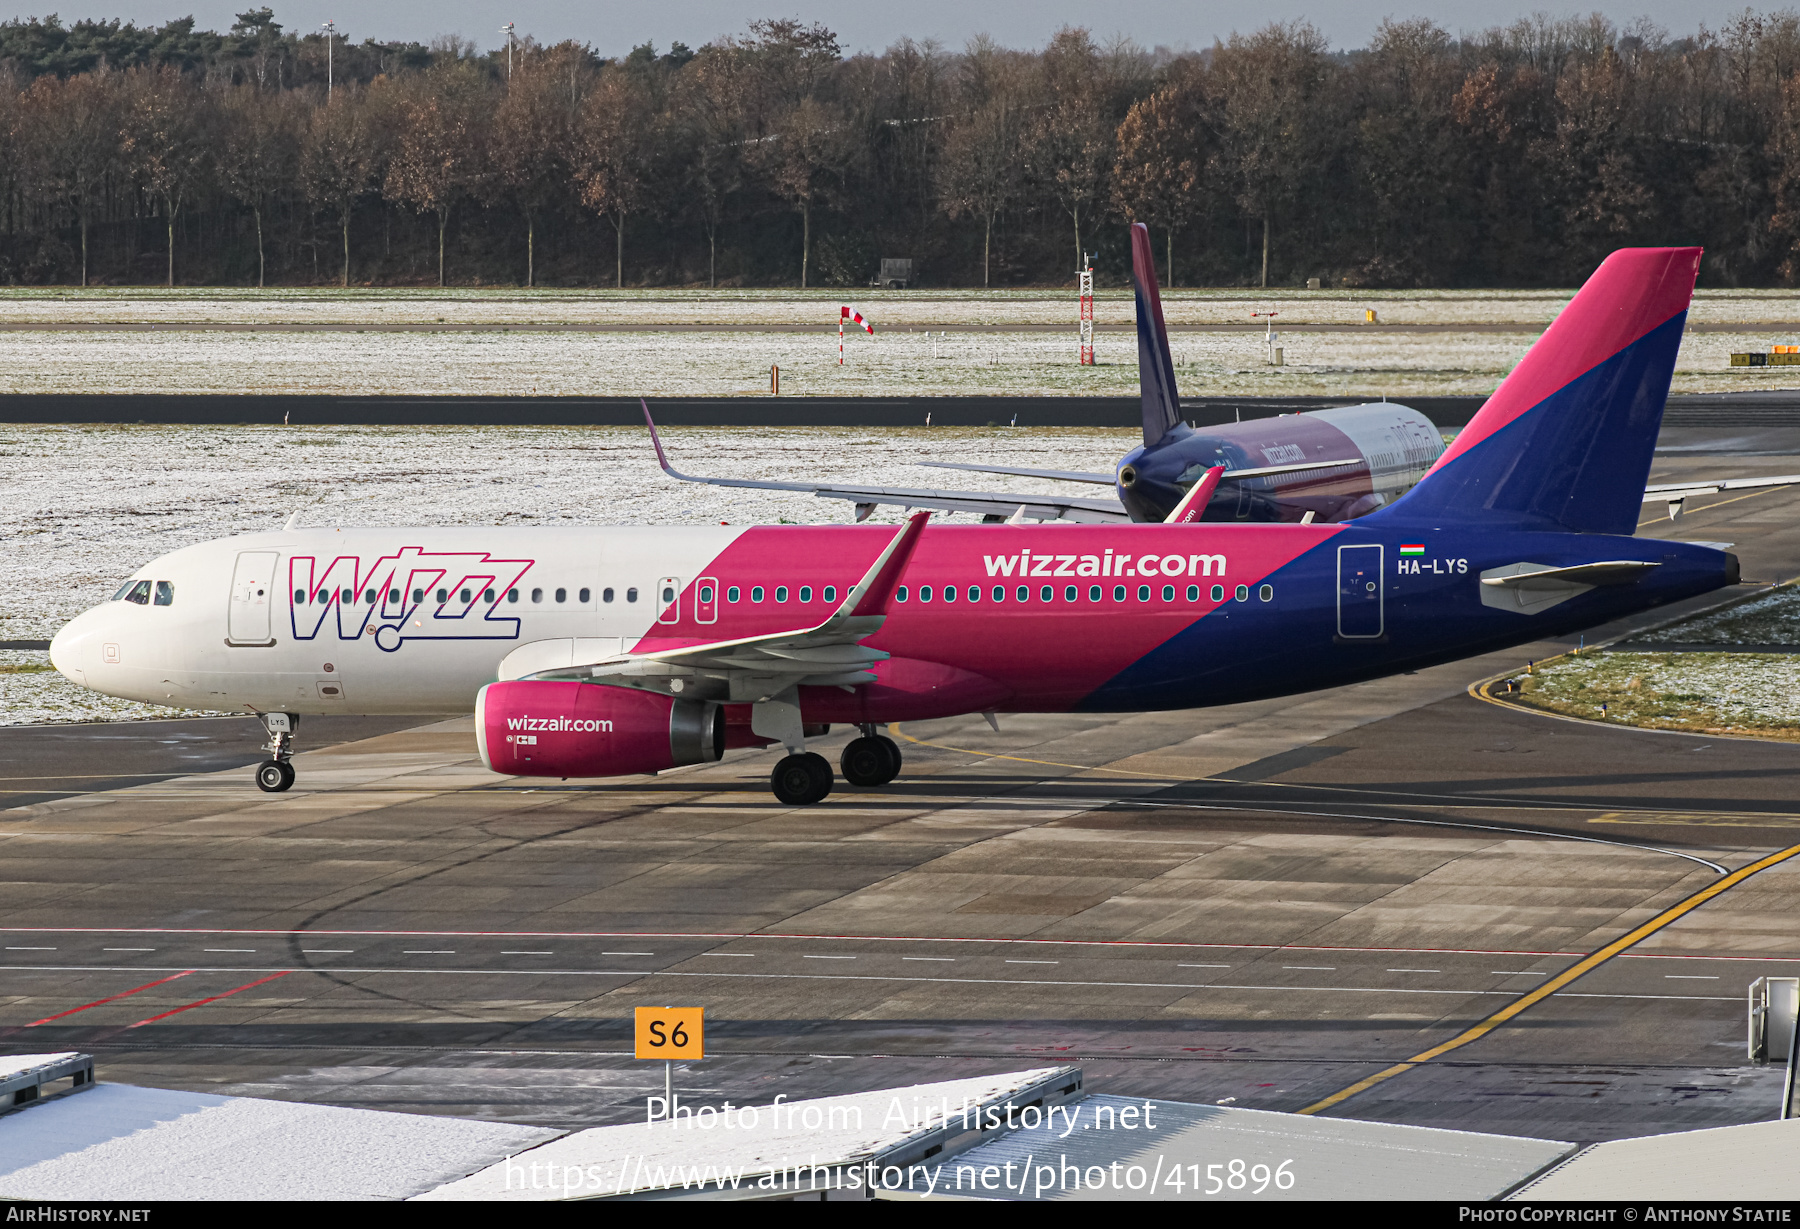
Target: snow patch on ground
(90, 505)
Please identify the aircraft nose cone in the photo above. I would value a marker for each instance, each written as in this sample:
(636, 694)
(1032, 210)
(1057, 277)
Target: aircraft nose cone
(70, 649)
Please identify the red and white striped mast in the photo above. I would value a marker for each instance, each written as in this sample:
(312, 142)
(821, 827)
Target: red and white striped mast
(1087, 312)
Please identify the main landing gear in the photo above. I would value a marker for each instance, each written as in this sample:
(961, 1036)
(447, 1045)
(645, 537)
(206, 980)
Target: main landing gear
(870, 760)
(801, 780)
(276, 773)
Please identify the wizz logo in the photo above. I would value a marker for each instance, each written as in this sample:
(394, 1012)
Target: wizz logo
(410, 595)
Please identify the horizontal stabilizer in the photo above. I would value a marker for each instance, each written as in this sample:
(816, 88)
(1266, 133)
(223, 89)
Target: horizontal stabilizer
(1299, 467)
(1613, 572)
(1193, 505)
(1690, 490)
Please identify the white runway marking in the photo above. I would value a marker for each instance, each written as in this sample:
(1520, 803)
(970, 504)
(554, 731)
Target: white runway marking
(731, 955)
(527, 953)
(827, 957)
(424, 952)
(31, 949)
(1203, 966)
(961, 981)
(120, 949)
(1312, 968)
(250, 950)
(933, 959)
(1415, 970)
(1033, 962)
(644, 953)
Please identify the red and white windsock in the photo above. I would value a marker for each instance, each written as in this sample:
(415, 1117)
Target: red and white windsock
(850, 313)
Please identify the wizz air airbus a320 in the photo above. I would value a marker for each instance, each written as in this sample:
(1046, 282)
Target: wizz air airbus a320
(615, 651)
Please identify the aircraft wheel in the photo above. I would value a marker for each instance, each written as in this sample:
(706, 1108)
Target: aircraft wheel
(274, 776)
(870, 761)
(801, 780)
(895, 759)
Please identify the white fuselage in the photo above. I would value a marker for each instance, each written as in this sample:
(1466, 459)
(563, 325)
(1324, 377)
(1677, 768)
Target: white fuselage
(283, 622)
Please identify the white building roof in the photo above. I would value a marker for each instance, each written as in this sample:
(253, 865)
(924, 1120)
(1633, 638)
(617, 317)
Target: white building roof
(825, 1132)
(1758, 1160)
(120, 1142)
(1183, 1147)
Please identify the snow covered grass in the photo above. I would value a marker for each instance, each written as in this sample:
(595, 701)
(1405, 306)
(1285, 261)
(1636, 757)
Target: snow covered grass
(897, 362)
(1771, 618)
(88, 505)
(1711, 693)
(761, 308)
(33, 693)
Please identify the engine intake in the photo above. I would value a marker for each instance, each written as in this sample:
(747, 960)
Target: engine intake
(536, 728)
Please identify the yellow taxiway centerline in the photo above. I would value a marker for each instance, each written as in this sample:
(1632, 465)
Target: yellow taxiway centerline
(1579, 969)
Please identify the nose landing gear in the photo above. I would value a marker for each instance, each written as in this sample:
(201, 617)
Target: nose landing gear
(276, 773)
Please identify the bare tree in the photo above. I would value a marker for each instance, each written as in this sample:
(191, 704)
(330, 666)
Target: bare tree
(438, 141)
(981, 172)
(1266, 87)
(166, 144)
(800, 157)
(1156, 179)
(258, 152)
(1069, 147)
(612, 152)
(71, 137)
(532, 134)
(709, 108)
(339, 158)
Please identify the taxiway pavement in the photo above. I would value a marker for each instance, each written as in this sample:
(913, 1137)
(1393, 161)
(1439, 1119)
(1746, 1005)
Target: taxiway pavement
(1260, 904)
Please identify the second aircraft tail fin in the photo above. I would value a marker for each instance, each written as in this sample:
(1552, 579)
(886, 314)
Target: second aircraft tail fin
(1156, 367)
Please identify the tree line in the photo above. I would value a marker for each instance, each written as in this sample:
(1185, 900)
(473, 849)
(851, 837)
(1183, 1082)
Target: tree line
(1518, 156)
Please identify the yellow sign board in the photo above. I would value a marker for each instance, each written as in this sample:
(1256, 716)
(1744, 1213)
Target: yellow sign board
(671, 1032)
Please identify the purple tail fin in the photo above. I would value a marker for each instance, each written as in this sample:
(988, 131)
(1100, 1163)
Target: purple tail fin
(1156, 370)
(1565, 442)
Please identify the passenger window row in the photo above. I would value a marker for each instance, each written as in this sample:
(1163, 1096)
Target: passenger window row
(950, 593)
(370, 596)
(1072, 593)
(804, 593)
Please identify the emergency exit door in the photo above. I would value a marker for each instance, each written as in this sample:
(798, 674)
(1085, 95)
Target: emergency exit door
(1359, 592)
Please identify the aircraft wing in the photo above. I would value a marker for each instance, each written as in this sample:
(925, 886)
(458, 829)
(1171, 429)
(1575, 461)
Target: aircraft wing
(995, 505)
(827, 654)
(1059, 475)
(1677, 493)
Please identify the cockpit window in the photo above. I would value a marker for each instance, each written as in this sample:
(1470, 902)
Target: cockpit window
(165, 593)
(140, 593)
(123, 590)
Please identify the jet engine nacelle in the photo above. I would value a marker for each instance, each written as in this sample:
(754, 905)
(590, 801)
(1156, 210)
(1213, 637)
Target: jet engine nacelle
(538, 728)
